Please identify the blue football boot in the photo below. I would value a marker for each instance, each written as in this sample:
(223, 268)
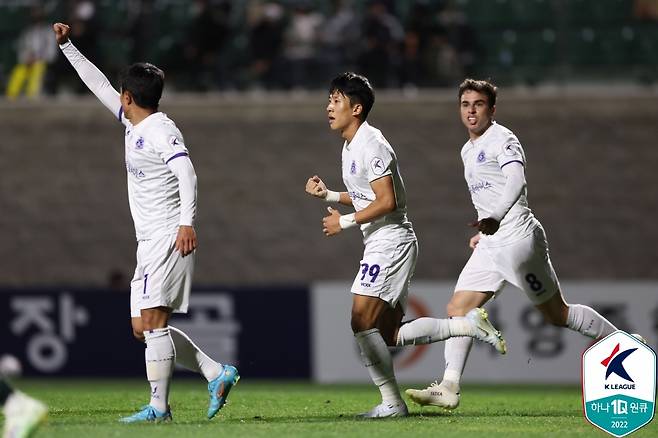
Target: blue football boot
(220, 387)
(148, 414)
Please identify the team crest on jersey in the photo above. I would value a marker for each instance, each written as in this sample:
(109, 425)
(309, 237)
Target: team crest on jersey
(353, 168)
(377, 166)
(139, 144)
(481, 157)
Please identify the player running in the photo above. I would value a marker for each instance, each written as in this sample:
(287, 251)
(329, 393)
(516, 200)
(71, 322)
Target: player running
(510, 246)
(23, 414)
(162, 197)
(376, 191)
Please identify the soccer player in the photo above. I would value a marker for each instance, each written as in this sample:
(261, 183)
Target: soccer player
(23, 414)
(376, 191)
(510, 246)
(162, 197)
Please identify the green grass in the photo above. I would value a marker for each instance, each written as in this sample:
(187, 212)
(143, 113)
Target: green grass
(85, 408)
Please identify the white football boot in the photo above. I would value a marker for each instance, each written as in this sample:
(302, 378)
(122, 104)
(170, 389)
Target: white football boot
(23, 415)
(485, 331)
(435, 395)
(386, 410)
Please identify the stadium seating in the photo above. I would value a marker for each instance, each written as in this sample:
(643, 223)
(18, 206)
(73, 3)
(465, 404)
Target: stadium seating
(517, 38)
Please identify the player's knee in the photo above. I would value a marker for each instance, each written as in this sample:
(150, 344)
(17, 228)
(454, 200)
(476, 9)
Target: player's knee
(361, 322)
(455, 309)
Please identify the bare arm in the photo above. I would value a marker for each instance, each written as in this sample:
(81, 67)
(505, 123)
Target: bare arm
(93, 78)
(383, 204)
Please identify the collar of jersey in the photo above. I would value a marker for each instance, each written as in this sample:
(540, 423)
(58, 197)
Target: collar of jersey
(486, 133)
(357, 135)
(147, 120)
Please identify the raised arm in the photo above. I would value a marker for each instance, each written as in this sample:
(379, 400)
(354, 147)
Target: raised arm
(93, 78)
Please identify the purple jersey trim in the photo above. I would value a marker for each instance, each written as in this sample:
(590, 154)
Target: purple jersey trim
(120, 113)
(180, 154)
(513, 161)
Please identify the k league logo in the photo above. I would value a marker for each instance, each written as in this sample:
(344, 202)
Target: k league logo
(619, 384)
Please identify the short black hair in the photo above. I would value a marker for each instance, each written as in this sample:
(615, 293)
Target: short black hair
(481, 86)
(357, 88)
(145, 82)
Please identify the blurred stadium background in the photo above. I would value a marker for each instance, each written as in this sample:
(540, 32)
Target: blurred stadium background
(246, 84)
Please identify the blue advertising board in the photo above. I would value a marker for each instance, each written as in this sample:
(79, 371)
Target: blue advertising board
(67, 332)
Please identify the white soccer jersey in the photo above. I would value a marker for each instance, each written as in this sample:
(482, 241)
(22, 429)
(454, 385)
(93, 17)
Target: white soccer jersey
(367, 158)
(153, 191)
(484, 159)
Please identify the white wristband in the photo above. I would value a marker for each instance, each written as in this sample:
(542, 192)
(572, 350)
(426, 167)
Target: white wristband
(347, 221)
(332, 196)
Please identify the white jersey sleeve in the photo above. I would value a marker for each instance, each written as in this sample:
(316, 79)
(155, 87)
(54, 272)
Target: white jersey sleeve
(377, 161)
(94, 79)
(184, 171)
(514, 185)
(510, 152)
(169, 144)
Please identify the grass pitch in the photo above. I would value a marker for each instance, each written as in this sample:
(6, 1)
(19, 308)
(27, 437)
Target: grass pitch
(90, 408)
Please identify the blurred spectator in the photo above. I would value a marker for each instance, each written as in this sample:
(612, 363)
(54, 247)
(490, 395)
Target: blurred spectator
(339, 37)
(457, 40)
(206, 36)
(81, 15)
(36, 48)
(300, 39)
(266, 41)
(142, 29)
(442, 61)
(418, 29)
(646, 10)
(383, 37)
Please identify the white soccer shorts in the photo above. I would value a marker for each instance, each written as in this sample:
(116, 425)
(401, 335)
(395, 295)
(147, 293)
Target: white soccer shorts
(386, 270)
(525, 264)
(162, 277)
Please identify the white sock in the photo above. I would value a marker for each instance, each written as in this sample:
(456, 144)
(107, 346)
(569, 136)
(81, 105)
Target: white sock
(160, 357)
(378, 362)
(191, 357)
(455, 353)
(587, 321)
(428, 330)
